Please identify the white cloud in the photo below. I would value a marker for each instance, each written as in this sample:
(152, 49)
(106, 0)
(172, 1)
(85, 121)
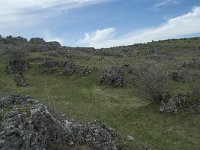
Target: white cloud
(164, 3)
(100, 36)
(17, 14)
(48, 37)
(180, 26)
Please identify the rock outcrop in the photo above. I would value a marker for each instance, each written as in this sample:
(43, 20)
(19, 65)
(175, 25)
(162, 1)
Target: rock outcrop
(29, 124)
(37, 41)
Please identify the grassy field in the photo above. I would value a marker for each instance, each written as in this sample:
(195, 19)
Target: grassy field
(83, 99)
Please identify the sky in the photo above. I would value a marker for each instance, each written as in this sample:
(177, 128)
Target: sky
(100, 23)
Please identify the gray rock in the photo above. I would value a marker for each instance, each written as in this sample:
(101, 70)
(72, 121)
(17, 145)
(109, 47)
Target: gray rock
(129, 138)
(32, 125)
(172, 104)
(37, 41)
(20, 80)
(87, 71)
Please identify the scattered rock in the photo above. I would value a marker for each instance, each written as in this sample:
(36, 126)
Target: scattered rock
(87, 71)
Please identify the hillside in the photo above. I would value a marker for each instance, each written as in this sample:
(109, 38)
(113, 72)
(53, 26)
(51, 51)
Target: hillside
(149, 91)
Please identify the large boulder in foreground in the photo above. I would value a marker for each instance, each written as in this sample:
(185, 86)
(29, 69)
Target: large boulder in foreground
(28, 124)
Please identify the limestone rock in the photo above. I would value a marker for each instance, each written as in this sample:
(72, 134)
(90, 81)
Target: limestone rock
(171, 104)
(37, 41)
(20, 80)
(87, 71)
(32, 125)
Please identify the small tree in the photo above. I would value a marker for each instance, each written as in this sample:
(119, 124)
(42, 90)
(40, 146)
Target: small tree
(16, 61)
(194, 85)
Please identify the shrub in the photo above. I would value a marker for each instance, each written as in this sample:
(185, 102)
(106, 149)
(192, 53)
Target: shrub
(112, 76)
(194, 85)
(152, 81)
(16, 61)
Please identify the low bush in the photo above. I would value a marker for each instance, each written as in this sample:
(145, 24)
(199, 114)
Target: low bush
(151, 80)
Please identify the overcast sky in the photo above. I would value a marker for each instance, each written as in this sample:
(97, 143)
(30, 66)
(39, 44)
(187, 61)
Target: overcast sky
(100, 23)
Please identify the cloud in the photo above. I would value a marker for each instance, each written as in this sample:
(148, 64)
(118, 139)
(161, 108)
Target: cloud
(100, 36)
(183, 25)
(49, 37)
(17, 14)
(164, 3)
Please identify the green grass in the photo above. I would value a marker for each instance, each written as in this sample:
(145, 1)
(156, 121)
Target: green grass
(82, 99)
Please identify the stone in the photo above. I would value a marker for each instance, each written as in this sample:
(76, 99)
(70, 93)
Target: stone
(32, 125)
(173, 103)
(87, 71)
(54, 45)
(20, 80)
(129, 138)
(37, 41)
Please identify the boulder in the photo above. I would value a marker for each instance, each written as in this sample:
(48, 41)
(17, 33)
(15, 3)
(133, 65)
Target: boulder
(29, 124)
